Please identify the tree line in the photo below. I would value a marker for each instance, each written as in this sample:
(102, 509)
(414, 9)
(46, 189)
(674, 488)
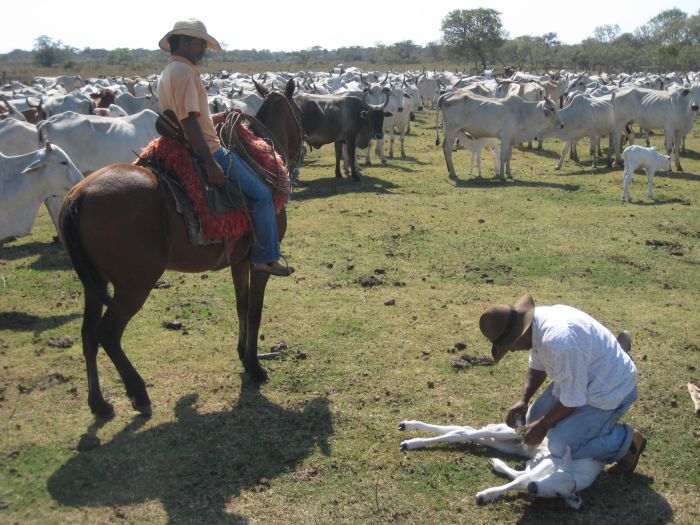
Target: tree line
(473, 40)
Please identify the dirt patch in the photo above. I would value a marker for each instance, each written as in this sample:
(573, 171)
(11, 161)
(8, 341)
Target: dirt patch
(674, 248)
(51, 380)
(466, 360)
(369, 282)
(61, 341)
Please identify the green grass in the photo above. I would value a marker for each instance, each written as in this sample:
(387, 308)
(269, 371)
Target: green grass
(319, 443)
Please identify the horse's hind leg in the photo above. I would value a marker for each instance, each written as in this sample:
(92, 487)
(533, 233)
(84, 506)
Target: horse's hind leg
(240, 273)
(127, 302)
(92, 313)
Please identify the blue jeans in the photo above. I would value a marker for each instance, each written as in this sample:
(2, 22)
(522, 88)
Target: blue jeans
(266, 248)
(588, 431)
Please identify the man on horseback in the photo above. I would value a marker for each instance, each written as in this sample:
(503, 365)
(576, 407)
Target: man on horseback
(180, 90)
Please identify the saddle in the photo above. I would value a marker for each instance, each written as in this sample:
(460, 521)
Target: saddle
(220, 198)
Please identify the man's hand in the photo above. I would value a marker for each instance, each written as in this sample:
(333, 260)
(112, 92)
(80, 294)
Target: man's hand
(517, 412)
(536, 432)
(215, 175)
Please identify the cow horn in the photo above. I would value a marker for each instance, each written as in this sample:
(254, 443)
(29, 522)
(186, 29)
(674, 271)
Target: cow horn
(385, 78)
(362, 79)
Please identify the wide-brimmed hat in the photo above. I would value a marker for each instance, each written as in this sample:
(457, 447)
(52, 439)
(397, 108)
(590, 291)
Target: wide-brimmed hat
(190, 27)
(502, 324)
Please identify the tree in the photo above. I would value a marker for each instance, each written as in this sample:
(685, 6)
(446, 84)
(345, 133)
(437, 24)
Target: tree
(48, 51)
(477, 31)
(606, 33)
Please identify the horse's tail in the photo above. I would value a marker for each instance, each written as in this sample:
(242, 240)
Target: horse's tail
(93, 282)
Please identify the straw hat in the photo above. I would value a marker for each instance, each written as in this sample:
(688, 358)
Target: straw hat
(502, 324)
(190, 27)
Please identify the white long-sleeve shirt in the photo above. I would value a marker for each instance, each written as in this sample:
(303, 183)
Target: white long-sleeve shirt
(581, 357)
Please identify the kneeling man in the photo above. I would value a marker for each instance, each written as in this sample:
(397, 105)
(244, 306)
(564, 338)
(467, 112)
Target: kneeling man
(593, 380)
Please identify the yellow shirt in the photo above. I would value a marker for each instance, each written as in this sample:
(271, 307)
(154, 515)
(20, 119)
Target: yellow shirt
(180, 90)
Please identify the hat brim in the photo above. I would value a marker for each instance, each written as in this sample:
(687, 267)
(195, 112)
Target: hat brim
(212, 43)
(525, 311)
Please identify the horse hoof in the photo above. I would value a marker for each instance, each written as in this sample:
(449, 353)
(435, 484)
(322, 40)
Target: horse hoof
(259, 376)
(102, 410)
(144, 409)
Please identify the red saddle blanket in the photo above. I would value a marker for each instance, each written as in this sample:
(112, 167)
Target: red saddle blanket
(226, 226)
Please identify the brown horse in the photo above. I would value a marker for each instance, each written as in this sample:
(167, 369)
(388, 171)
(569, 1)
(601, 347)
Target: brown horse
(120, 227)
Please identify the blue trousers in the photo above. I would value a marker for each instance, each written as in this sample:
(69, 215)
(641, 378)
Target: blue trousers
(266, 248)
(588, 431)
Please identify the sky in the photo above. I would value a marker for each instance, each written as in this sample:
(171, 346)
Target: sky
(295, 25)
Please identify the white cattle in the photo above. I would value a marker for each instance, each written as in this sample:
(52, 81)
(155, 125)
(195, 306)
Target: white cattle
(112, 111)
(17, 137)
(648, 159)
(509, 119)
(475, 146)
(399, 120)
(74, 101)
(652, 109)
(546, 476)
(9, 111)
(585, 117)
(94, 142)
(133, 105)
(428, 86)
(28, 180)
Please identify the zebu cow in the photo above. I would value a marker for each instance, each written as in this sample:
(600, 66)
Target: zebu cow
(9, 111)
(28, 180)
(133, 105)
(652, 109)
(585, 117)
(93, 142)
(17, 137)
(74, 101)
(509, 119)
(348, 121)
(546, 476)
(648, 159)
(428, 87)
(399, 120)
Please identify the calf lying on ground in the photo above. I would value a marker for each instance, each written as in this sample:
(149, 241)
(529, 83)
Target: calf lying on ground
(639, 157)
(545, 476)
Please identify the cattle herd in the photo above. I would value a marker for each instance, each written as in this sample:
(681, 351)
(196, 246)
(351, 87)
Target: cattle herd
(60, 127)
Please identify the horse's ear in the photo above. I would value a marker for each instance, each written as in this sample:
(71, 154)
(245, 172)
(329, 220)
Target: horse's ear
(262, 90)
(289, 88)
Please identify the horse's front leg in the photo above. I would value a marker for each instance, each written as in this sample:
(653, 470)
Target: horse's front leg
(240, 272)
(256, 297)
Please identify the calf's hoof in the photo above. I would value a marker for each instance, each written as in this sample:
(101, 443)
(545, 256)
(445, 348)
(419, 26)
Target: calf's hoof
(402, 426)
(532, 488)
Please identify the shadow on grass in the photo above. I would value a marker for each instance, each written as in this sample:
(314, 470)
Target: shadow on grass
(684, 175)
(197, 464)
(23, 322)
(658, 202)
(613, 498)
(332, 186)
(492, 182)
(52, 255)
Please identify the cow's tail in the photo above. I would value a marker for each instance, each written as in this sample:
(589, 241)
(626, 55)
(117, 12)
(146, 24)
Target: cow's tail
(94, 283)
(437, 122)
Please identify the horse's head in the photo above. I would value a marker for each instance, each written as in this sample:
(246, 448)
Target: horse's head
(281, 115)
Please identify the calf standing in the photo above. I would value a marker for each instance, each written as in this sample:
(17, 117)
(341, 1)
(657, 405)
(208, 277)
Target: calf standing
(638, 157)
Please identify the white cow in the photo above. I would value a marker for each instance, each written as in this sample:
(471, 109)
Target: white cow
(28, 180)
(475, 146)
(652, 109)
(17, 137)
(133, 105)
(73, 101)
(509, 119)
(585, 117)
(546, 476)
(112, 111)
(94, 142)
(648, 159)
(399, 120)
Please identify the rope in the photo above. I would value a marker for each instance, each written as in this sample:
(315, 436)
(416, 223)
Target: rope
(278, 180)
